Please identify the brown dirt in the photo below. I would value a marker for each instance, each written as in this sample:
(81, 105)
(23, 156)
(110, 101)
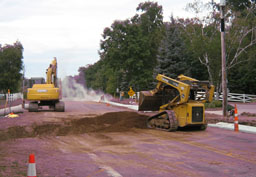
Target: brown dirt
(248, 114)
(109, 122)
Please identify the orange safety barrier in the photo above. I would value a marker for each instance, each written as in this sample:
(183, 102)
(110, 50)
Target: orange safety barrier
(236, 120)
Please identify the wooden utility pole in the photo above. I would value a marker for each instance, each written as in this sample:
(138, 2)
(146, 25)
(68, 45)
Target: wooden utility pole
(223, 59)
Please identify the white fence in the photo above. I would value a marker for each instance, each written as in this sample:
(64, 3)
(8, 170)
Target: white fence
(237, 97)
(232, 97)
(12, 96)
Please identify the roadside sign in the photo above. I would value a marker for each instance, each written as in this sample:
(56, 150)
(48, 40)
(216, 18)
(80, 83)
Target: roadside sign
(131, 92)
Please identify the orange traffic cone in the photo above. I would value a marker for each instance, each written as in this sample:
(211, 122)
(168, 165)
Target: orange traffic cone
(236, 120)
(31, 166)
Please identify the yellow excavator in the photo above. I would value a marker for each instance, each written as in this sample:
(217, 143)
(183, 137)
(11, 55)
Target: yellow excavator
(178, 102)
(46, 94)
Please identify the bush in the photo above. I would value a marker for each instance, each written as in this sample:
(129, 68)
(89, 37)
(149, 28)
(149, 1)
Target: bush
(253, 101)
(218, 104)
(214, 104)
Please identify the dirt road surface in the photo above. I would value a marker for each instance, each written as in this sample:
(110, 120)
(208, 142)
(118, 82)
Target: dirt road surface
(97, 140)
(246, 107)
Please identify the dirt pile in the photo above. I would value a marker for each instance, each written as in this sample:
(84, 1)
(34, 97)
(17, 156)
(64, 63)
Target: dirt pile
(248, 114)
(109, 122)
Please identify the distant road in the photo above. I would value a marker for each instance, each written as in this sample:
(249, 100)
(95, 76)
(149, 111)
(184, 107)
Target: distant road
(246, 107)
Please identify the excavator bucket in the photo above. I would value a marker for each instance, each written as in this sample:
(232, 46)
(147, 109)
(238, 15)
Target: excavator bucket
(149, 102)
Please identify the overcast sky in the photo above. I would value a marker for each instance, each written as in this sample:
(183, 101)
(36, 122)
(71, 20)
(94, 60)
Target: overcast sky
(68, 30)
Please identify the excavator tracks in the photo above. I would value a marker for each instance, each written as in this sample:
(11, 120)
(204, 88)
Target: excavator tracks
(33, 107)
(60, 106)
(165, 120)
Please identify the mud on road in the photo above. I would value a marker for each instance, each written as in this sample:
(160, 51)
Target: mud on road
(109, 122)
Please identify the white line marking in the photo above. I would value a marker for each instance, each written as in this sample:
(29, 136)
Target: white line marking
(110, 171)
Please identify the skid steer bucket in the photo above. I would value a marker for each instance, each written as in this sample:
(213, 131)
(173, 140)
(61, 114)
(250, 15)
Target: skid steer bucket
(149, 102)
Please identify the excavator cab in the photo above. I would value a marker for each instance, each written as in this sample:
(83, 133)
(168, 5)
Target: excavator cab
(180, 102)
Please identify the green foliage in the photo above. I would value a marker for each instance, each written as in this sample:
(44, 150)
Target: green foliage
(218, 104)
(238, 5)
(172, 58)
(128, 52)
(214, 104)
(133, 50)
(242, 79)
(202, 37)
(241, 57)
(10, 67)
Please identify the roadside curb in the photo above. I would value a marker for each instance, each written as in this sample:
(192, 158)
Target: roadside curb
(230, 126)
(14, 109)
(133, 107)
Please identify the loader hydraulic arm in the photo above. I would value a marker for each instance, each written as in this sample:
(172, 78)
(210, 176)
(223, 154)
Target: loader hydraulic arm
(195, 84)
(182, 88)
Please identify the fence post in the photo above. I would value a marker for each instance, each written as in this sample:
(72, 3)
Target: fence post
(243, 98)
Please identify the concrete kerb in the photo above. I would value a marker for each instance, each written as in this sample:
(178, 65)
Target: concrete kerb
(230, 126)
(14, 109)
(134, 107)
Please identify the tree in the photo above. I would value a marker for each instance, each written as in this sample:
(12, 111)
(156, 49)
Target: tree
(128, 51)
(242, 78)
(240, 37)
(10, 67)
(172, 57)
(203, 38)
(237, 5)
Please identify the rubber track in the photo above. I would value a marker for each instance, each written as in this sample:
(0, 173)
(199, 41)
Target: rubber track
(169, 116)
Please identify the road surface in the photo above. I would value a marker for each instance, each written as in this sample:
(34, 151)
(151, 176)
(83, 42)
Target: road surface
(84, 142)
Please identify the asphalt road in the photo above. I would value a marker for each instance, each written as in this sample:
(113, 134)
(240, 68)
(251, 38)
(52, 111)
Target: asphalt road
(135, 152)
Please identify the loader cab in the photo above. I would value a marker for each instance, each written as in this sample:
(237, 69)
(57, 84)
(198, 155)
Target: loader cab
(200, 91)
(192, 95)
